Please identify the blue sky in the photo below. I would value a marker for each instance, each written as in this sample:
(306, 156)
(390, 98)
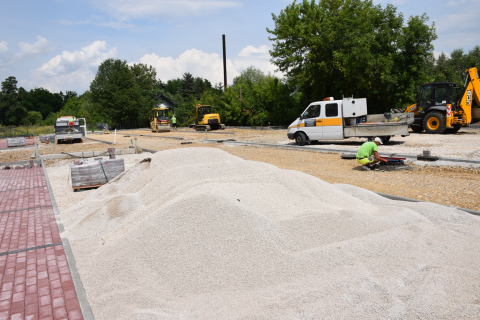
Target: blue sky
(58, 44)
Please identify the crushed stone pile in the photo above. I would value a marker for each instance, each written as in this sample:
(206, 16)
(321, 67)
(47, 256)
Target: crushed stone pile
(200, 234)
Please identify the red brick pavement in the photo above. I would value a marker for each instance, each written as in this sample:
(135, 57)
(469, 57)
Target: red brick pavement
(36, 283)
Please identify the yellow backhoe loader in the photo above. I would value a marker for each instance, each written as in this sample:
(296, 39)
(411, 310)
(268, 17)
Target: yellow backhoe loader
(205, 119)
(445, 107)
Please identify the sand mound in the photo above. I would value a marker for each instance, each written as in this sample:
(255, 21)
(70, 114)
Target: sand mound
(200, 234)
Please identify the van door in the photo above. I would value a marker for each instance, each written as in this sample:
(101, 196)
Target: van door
(312, 122)
(332, 121)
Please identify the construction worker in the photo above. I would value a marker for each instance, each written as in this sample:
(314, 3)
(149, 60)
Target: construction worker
(368, 154)
(71, 124)
(174, 122)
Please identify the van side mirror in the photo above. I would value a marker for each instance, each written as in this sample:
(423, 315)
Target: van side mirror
(301, 117)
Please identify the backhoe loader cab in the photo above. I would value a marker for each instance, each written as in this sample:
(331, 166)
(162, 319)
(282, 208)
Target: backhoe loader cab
(205, 119)
(443, 106)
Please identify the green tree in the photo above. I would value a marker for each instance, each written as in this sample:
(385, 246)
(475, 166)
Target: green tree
(43, 101)
(187, 85)
(352, 47)
(33, 117)
(11, 110)
(115, 92)
(250, 74)
(146, 79)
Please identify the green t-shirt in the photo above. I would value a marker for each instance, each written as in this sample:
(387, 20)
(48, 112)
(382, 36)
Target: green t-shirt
(174, 120)
(71, 119)
(367, 149)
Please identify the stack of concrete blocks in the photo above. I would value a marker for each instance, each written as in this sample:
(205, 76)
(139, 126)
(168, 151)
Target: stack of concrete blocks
(44, 137)
(87, 173)
(17, 142)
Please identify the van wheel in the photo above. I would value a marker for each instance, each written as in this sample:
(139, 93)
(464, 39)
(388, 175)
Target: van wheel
(434, 122)
(300, 139)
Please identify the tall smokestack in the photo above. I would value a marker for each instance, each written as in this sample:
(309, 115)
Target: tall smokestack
(224, 64)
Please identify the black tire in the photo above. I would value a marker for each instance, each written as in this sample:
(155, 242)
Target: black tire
(455, 129)
(434, 123)
(417, 129)
(386, 139)
(300, 139)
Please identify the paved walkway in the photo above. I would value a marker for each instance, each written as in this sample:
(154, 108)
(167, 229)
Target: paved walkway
(36, 282)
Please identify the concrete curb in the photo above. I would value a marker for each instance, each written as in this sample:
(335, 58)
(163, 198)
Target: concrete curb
(18, 163)
(259, 128)
(100, 141)
(77, 281)
(208, 132)
(152, 136)
(397, 198)
(86, 154)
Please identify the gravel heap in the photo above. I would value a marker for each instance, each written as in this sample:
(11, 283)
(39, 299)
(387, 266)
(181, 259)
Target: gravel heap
(200, 234)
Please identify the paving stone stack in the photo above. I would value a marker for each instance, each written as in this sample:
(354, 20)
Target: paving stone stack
(16, 142)
(44, 137)
(87, 173)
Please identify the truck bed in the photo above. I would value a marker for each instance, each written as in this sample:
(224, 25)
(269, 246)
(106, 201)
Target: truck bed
(376, 129)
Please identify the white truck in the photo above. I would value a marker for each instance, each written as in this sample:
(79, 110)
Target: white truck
(63, 133)
(342, 119)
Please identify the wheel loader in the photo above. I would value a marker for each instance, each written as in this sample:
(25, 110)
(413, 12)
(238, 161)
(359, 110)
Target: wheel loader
(205, 119)
(160, 121)
(443, 107)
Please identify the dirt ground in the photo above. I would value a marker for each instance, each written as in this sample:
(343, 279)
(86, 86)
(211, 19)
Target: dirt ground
(453, 186)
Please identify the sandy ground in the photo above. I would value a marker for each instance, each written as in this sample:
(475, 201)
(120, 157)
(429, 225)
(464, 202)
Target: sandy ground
(446, 185)
(465, 144)
(200, 234)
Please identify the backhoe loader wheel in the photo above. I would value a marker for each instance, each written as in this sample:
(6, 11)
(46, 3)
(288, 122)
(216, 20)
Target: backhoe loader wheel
(300, 139)
(434, 122)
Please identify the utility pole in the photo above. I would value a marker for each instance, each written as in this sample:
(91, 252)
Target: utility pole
(224, 64)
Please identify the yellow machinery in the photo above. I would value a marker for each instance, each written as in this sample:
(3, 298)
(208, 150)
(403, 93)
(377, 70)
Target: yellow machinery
(443, 106)
(205, 119)
(160, 122)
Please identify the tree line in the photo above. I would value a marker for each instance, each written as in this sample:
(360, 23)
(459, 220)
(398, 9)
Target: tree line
(325, 48)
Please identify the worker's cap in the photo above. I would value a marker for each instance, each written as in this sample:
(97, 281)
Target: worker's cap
(377, 139)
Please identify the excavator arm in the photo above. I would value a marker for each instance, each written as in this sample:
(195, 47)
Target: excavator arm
(472, 90)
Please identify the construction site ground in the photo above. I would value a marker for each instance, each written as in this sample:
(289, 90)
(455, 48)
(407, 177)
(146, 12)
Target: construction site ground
(454, 186)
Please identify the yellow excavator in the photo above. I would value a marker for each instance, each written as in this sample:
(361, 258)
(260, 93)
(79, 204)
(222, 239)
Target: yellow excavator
(443, 106)
(205, 119)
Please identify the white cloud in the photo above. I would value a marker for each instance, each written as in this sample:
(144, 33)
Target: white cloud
(98, 21)
(72, 70)
(197, 62)
(249, 50)
(209, 66)
(153, 9)
(3, 46)
(27, 50)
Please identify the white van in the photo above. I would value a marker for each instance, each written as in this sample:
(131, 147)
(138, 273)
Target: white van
(341, 119)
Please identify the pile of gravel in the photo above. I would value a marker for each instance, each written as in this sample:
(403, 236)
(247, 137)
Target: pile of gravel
(200, 234)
